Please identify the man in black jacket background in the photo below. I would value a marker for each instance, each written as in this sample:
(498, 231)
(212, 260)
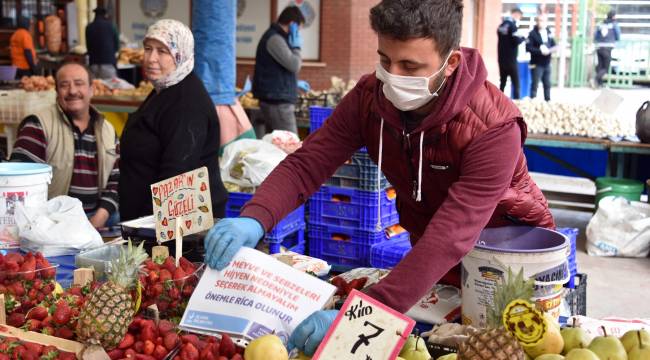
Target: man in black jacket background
(103, 43)
(540, 45)
(508, 45)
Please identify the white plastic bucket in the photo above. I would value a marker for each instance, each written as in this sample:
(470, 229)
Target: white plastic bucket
(542, 253)
(24, 183)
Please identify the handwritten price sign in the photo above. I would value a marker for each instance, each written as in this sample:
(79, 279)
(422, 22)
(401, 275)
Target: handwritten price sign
(365, 329)
(185, 197)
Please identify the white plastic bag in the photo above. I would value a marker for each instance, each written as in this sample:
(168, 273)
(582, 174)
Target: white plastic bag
(438, 306)
(248, 162)
(285, 140)
(60, 228)
(619, 228)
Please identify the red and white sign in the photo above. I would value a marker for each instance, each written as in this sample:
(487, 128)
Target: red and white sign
(365, 329)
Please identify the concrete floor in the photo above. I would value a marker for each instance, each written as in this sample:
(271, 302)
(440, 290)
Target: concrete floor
(615, 286)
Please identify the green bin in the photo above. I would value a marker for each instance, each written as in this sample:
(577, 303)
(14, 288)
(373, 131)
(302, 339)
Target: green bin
(627, 188)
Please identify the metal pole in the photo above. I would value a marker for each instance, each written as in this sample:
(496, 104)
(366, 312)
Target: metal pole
(564, 39)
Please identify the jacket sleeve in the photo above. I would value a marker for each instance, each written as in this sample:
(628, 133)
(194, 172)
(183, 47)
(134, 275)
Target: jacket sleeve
(289, 58)
(516, 39)
(532, 46)
(303, 172)
(486, 171)
(109, 197)
(617, 31)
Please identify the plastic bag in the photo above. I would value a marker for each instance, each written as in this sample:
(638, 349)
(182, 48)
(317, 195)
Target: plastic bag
(619, 228)
(248, 162)
(285, 140)
(60, 228)
(438, 306)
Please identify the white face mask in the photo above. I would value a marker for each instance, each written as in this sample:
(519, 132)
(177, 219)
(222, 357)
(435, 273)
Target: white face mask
(408, 92)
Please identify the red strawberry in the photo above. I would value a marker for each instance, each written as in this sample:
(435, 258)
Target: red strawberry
(237, 357)
(165, 275)
(227, 346)
(37, 284)
(138, 346)
(116, 354)
(174, 293)
(37, 313)
(149, 347)
(28, 268)
(144, 357)
(160, 352)
(165, 326)
(179, 274)
(358, 283)
(190, 339)
(16, 320)
(207, 353)
(191, 352)
(67, 356)
(127, 342)
(19, 289)
(62, 313)
(187, 291)
(151, 265)
(33, 348)
(64, 333)
(169, 264)
(170, 341)
(47, 330)
(147, 333)
(15, 257)
(129, 354)
(223, 358)
(153, 276)
(33, 325)
(186, 265)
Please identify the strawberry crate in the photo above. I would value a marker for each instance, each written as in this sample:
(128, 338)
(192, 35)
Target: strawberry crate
(346, 248)
(360, 172)
(293, 242)
(292, 222)
(353, 208)
(387, 254)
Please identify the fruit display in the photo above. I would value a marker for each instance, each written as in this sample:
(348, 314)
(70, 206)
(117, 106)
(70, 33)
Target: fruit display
(572, 119)
(130, 56)
(266, 347)
(37, 83)
(109, 309)
(415, 348)
(13, 348)
(100, 88)
(25, 281)
(146, 340)
(169, 286)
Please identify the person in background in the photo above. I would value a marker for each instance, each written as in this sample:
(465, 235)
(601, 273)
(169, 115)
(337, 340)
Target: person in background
(23, 53)
(80, 145)
(607, 34)
(449, 142)
(176, 128)
(508, 46)
(541, 45)
(103, 43)
(277, 63)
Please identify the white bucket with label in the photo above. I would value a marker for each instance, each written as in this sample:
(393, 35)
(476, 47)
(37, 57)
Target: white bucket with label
(24, 183)
(542, 253)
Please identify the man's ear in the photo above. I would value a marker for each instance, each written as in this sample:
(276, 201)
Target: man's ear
(453, 62)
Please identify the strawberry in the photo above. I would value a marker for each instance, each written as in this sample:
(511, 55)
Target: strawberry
(33, 325)
(116, 354)
(186, 265)
(207, 353)
(16, 320)
(170, 341)
(138, 346)
(126, 342)
(62, 313)
(191, 352)
(227, 346)
(165, 275)
(162, 306)
(223, 358)
(33, 348)
(149, 347)
(67, 356)
(150, 265)
(19, 289)
(358, 283)
(147, 333)
(190, 339)
(179, 274)
(64, 333)
(160, 352)
(37, 284)
(165, 326)
(174, 293)
(169, 264)
(144, 357)
(187, 291)
(130, 353)
(28, 268)
(153, 276)
(237, 357)
(37, 313)
(47, 330)
(15, 257)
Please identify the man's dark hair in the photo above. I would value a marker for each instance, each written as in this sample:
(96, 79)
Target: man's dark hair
(611, 14)
(23, 22)
(516, 10)
(90, 75)
(291, 14)
(440, 20)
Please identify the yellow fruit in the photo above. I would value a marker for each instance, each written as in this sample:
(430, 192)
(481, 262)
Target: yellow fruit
(630, 339)
(267, 347)
(581, 354)
(552, 343)
(608, 347)
(550, 357)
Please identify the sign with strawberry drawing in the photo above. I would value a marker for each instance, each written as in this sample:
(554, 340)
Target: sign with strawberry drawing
(185, 199)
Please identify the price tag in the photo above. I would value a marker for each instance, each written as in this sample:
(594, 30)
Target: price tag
(183, 199)
(365, 329)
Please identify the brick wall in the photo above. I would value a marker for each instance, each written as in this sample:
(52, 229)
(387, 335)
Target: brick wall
(348, 46)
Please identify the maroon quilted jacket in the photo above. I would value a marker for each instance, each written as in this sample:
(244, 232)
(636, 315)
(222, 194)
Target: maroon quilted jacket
(464, 160)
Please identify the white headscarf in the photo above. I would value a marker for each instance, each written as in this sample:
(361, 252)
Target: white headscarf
(179, 40)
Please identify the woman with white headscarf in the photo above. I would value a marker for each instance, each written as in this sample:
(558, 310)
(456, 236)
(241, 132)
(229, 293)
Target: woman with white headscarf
(176, 128)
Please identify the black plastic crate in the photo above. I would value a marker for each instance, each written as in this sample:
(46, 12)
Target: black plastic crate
(576, 298)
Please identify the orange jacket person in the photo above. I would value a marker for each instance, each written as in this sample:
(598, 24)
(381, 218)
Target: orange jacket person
(21, 44)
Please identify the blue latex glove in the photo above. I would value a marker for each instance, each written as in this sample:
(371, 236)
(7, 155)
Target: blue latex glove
(304, 86)
(226, 238)
(295, 39)
(311, 331)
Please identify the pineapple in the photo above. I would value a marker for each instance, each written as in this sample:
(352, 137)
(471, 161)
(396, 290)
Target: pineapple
(106, 315)
(496, 342)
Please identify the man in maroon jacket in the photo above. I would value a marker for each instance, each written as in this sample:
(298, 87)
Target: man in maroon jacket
(448, 141)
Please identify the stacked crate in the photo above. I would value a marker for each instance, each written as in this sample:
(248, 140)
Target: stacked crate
(288, 233)
(343, 214)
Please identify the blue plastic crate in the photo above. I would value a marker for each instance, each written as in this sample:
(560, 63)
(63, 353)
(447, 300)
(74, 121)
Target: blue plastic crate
(352, 208)
(572, 235)
(387, 254)
(360, 172)
(345, 247)
(318, 115)
(292, 222)
(293, 242)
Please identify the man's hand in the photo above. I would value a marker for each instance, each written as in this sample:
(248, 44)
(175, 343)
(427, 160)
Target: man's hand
(100, 218)
(295, 40)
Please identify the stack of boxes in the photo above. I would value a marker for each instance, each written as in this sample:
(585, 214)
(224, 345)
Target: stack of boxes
(351, 212)
(288, 233)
